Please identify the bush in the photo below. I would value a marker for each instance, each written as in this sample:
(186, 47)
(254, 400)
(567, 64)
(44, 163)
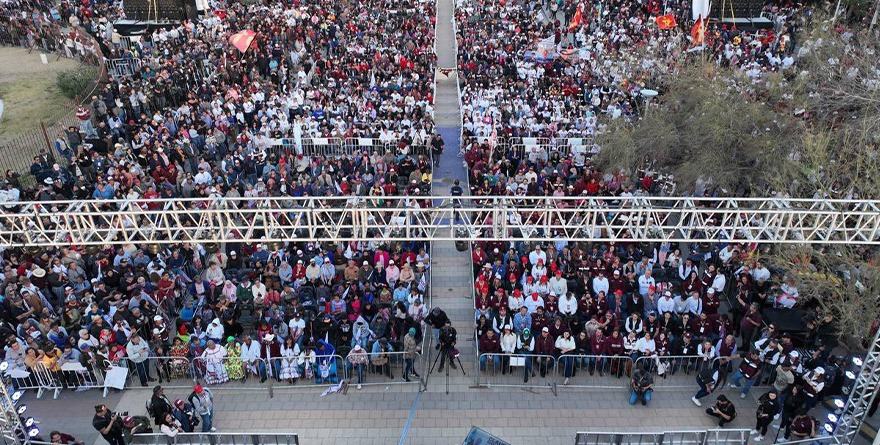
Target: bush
(74, 82)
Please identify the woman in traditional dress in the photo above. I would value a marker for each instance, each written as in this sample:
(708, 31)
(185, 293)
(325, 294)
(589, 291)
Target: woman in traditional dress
(234, 366)
(213, 357)
(289, 354)
(179, 362)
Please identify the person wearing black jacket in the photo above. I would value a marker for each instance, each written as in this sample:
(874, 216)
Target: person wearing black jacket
(160, 405)
(683, 345)
(768, 407)
(792, 401)
(723, 409)
(448, 337)
(437, 319)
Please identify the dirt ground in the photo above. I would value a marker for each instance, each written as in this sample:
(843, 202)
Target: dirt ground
(28, 91)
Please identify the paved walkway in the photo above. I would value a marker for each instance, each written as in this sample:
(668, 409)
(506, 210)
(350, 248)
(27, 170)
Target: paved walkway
(448, 408)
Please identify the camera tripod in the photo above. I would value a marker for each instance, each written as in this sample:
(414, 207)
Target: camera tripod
(444, 352)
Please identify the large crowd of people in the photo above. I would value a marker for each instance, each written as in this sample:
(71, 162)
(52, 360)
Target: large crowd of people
(567, 308)
(527, 72)
(201, 118)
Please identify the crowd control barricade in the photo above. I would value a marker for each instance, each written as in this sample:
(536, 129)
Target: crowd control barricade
(583, 371)
(382, 372)
(219, 371)
(238, 438)
(674, 371)
(321, 370)
(515, 370)
(37, 378)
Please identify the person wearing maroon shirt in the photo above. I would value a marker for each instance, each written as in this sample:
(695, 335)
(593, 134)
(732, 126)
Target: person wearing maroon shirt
(691, 284)
(597, 348)
(539, 320)
(616, 282)
(614, 347)
(711, 303)
(687, 324)
(551, 306)
(545, 347)
(750, 324)
(489, 344)
(723, 327)
(703, 326)
(750, 369)
(557, 327)
(708, 276)
(512, 283)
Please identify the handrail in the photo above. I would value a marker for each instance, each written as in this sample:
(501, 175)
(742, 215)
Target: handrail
(237, 438)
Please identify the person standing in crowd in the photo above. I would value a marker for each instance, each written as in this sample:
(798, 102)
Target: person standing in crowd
(203, 401)
(768, 408)
(109, 425)
(410, 353)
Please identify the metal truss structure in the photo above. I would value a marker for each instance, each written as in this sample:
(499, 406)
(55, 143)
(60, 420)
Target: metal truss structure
(790, 221)
(852, 414)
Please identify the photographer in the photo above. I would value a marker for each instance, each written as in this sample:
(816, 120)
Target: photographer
(723, 409)
(109, 425)
(437, 319)
(448, 337)
(642, 387)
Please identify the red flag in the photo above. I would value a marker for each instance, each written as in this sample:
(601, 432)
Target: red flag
(577, 20)
(666, 21)
(242, 40)
(698, 31)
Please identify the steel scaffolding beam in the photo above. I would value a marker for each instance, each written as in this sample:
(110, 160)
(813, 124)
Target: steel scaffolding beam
(790, 221)
(861, 396)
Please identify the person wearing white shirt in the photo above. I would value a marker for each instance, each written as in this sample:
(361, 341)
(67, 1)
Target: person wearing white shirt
(666, 303)
(250, 356)
(203, 177)
(536, 255)
(600, 284)
(645, 282)
(533, 302)
(565, 344)
(684, 270)
(646, 345)
(719, 282)
(568, 304)
(259, 291)
(558, 285)
(695, 304)
(297, 326)
(760, 273)
(726, 253)
(515, 301)
(634, 324)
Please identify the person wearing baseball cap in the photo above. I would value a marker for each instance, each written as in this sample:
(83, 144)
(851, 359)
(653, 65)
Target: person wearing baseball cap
(203, 402)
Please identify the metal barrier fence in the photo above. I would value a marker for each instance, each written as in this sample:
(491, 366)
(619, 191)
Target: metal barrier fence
(18, 153)
(588, 371)
(332, 147)
(525, 370)
(685, 437)
(184, 372)
(125, 67)
(243, 438)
